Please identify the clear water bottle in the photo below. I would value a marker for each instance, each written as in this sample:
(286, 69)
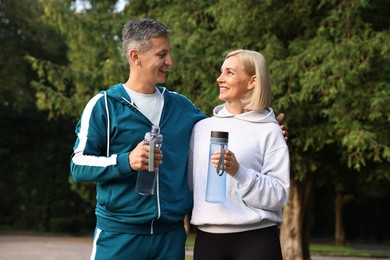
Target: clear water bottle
(216, 177)
(146, 179)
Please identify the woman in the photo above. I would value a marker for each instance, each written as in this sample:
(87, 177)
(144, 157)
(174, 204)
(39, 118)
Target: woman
(257, 163)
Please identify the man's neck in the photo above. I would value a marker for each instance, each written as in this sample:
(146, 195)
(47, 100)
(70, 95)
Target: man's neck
(139, 86)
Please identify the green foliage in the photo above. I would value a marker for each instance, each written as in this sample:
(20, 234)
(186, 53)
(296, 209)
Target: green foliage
(329, 65)
(20, 34)
(35, 169)
(34, 152)
(94, 59)
(341, 74)
(322, 249)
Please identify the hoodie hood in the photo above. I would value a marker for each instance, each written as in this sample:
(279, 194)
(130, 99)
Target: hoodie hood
(267, 115)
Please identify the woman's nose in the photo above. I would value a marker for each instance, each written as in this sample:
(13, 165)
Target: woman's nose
(220, 78)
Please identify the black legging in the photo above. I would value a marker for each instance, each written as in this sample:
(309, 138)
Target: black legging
(261, 244)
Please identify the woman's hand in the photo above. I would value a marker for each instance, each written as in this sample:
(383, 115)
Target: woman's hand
(230, 161)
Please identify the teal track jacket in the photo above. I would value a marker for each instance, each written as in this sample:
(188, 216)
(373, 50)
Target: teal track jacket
(110, 127)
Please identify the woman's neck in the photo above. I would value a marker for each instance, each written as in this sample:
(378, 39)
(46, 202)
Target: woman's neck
(235, 108)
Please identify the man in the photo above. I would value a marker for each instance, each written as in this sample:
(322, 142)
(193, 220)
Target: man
(109, 151)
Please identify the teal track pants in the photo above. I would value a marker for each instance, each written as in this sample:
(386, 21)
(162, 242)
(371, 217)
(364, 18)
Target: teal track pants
(120, 246)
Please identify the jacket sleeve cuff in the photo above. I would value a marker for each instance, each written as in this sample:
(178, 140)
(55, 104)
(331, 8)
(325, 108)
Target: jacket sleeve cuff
(124, 164)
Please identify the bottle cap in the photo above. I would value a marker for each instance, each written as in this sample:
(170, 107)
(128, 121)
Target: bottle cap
(154, 133)
(219, 136)
(155, 129)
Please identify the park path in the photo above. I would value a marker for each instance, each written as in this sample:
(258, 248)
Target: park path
(44, 248)
(15, 247)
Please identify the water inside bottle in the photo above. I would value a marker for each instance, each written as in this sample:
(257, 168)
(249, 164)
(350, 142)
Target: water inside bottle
(146, 181)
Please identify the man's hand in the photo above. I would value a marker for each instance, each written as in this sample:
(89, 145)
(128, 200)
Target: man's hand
(284, 128)
(139, 157)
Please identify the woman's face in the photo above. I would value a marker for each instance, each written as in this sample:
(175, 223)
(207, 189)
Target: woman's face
(234, 83)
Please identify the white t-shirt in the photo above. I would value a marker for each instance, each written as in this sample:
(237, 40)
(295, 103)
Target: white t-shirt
(150, 105)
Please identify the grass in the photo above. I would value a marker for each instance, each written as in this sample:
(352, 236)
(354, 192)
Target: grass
(324, 249)
(320, 249)
(190, 240)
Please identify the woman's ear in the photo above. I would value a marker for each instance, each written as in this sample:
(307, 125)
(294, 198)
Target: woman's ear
(252, 82)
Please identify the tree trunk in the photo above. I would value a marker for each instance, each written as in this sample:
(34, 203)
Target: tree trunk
(307, 213)
(291, 230)
(339, 229)
(187, 225)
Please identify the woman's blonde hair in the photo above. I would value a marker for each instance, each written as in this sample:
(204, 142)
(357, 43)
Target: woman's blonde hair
(255, 65)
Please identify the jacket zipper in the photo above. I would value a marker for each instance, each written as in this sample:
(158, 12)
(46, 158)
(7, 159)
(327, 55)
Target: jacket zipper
(158, 206)
(157, 181)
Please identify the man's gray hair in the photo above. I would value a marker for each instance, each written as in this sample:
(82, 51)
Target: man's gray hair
(137, 33)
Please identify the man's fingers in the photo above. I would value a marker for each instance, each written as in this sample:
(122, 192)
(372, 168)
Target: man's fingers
(280, 118)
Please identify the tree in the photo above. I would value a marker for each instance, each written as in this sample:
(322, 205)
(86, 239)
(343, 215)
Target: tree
(93, 58)
(34, 191)
(327, 76)
(20, 35)
(323, 55)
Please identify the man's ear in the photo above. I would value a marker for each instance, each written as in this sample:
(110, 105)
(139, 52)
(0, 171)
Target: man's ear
(134, 57)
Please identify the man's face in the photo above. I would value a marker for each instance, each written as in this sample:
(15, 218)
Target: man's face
(155, 61)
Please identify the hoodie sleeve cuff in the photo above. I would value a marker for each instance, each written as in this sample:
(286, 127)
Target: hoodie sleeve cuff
(245, 178)
(240, 176)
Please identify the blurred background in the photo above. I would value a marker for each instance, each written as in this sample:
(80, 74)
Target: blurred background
(330, 73)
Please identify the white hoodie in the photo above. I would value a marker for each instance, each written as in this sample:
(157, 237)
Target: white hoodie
(256, 195)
